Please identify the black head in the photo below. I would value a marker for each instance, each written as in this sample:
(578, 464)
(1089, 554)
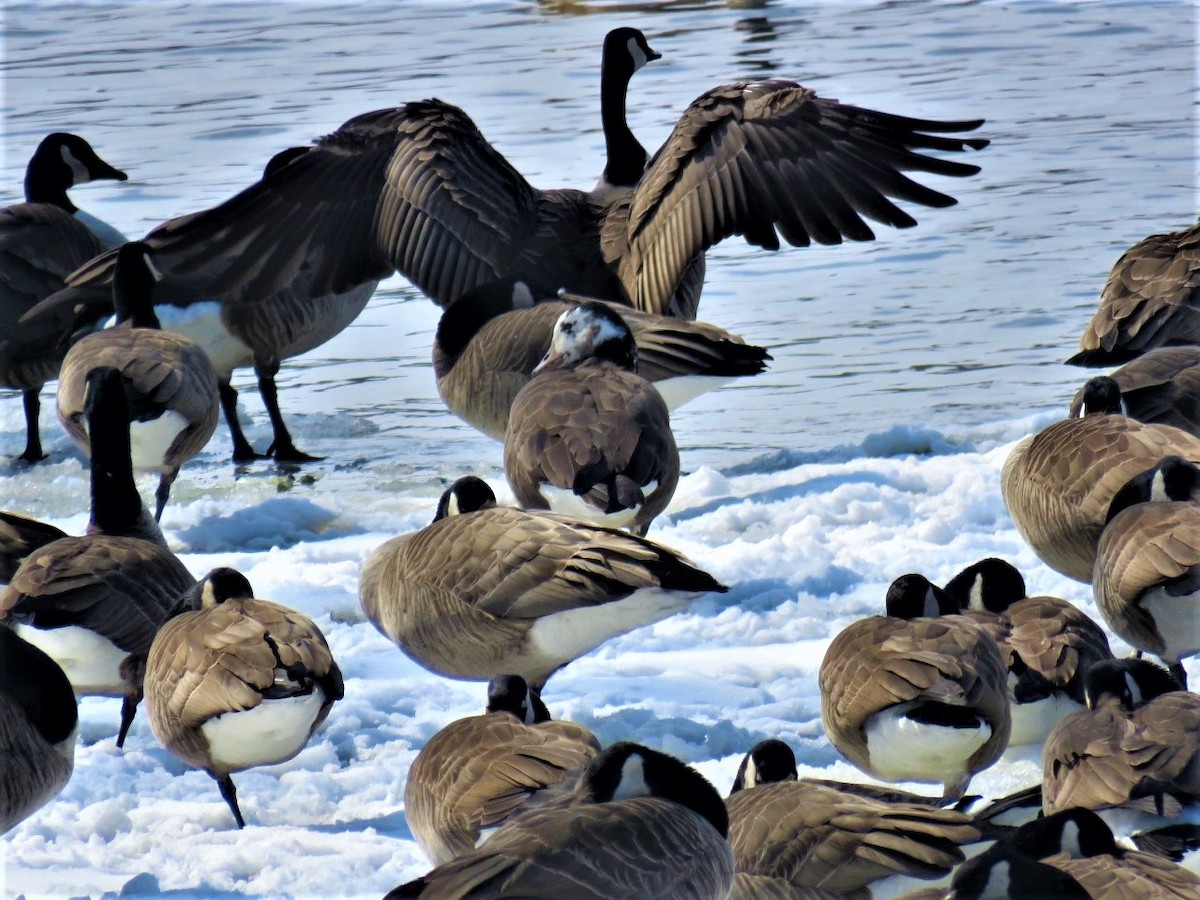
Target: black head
(60, 162)
(468, 494)
(1077, 831)
(512, 694)
(912, 596)
(991, 584)
(626, 770)
(470, 312)
(626, 51)
(1000, 873)
(1171, 478)
(768, 762)
(36, 684)
(1101, 395)
(590, 331)
(1131, 682)
(106, 397)
(219, 585)
(133, 281)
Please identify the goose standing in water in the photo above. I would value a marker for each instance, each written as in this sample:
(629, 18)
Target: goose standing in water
(588, 435)
(94, 603)
(487, 590)
(38, 724)
(174, 385)
(238, 682)
(42, 241)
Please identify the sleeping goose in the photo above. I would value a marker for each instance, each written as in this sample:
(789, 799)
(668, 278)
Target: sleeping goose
(1148, 301)
(94, 603)
(238, 682)
(588, 435)
(1160, 386)
(42, 241)
(487, 590)
(805, 835)
(1057, 484)
(417, 189)
(916, 698)
(1147, 576)
(478, 772)
(38, 725)
(489, 340)
(173, 384)
(639, 824)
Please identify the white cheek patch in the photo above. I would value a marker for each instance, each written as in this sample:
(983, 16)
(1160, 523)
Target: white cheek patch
(636, 54)
(452, 508)
(79, 171)
(633, 780)
(750, 776)
(976, 601)
(522, 296)
(1070, 841)
(931, 606)
(1158, 487)
(154, 273)
(1135, 692)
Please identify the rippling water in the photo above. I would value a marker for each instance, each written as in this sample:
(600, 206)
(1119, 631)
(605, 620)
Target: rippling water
(961, 321)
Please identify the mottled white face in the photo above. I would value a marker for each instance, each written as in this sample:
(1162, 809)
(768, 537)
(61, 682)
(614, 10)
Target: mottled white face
(633, 779)
(79, 171)
(576, 333)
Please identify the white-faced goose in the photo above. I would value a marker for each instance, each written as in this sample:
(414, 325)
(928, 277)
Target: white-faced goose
(1147, 576)
(42, 241)
(639, 824)
(589, 436)
(1160, 386)
(806, 835)
(487, 590)
(478, 772)
(38, 725)
(1139, 737)
(417, 189)
(916, 698)
(1058, 483)
(1150, 300)
(238, 682)
(173, 385)
(489, 341)
(1047, 643)
(95, 602)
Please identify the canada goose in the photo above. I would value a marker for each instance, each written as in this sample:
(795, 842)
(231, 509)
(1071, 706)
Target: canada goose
(489, 341)
(1160, 386)
(639, 824)
(1147, 576)
(20, 536)
(42, 241)
(588, 435)
(173, 383)
(1139, 737)
(238, 682)
(38, 725)
(478, 772)
(94, 602)
(1047, 643)
(487, 590)
(1147, 302)
(815, 836)
(1057, 484)
(920, 699)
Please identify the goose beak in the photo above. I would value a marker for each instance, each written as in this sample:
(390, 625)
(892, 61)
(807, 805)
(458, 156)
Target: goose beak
(550, 362)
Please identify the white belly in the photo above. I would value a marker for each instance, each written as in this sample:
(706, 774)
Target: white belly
(202, 323)
(904, 750)
(685, 388)
(1177, 619)
(272, 732)
(1033, 722)
(568, 503)
(150, 441)
(91, 663)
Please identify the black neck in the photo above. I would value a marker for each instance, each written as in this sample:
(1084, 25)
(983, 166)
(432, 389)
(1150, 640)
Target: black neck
(464, 317)
(626, 155)
(44, 183)
(116, 504)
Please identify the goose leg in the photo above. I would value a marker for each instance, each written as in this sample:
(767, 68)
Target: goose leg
(281, 447)
(129, 707)
(242, 451)
(229, 792)
(33, 440)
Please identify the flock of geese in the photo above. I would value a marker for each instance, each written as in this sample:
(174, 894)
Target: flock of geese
(568, 334)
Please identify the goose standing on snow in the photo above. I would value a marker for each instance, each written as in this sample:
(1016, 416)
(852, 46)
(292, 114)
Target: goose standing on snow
(174, 385)
(1058, 484)
(487, 590)
(42, 241)
(639, 824)
(478, 772)
(94, 603)
(916, 698)
(1150, 300)
(1147, 576)
(238, 682)
(38, 725)
(489, 341)
(588, 435)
